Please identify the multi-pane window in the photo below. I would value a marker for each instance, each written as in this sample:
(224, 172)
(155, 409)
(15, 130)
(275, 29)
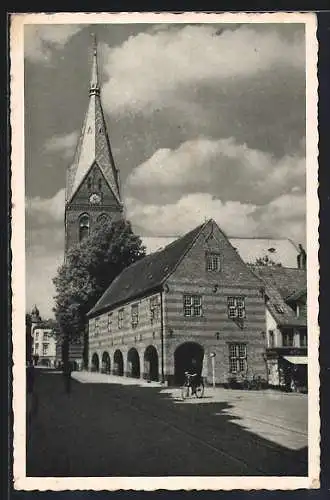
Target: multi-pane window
(303, 338)
(192, 305)
(36, 347)
(271, 338)
(135, 315)
(109, 322)
(154, 309)
(97, 327)
(120, 318)
(237, 358)
(213, 262)
(287, 339)
(45, 349)
(236, 307)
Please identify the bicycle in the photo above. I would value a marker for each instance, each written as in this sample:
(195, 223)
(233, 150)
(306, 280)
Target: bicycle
(190, 386)
(253, 384)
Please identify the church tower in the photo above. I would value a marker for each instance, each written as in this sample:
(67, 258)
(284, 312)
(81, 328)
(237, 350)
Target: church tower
(92, 186)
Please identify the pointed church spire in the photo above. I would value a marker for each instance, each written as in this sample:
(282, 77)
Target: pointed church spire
(94, 88)
(93, 146)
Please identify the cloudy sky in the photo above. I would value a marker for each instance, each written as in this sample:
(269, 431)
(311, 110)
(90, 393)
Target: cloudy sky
(204, 121)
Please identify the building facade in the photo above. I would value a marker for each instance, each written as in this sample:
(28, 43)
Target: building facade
(43, 340)
(286, 326)
(176, 308)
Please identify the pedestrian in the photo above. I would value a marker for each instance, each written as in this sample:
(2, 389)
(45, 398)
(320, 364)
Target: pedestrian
(67, 369)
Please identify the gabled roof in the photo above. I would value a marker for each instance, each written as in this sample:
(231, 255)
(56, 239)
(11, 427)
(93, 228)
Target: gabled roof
(286, 280)
(93, 145)
(146, 274)
(296, 296)
(280, 284)
(279, 250)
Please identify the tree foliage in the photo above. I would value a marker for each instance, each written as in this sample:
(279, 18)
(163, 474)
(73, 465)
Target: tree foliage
(266, 261)
(89, 269)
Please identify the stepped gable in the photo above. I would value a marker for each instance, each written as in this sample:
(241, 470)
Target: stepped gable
(145, 275)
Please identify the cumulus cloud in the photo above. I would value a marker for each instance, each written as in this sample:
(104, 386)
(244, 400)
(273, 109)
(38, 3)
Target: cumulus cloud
(221, 167)
(45, 210)
(41, 267)
(40, 40)
(147, 69)
(283, 217)
(64, 144)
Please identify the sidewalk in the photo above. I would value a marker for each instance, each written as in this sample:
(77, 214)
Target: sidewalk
(86, 377)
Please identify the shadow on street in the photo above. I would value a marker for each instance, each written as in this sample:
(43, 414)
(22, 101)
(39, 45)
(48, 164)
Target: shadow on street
(128, 430)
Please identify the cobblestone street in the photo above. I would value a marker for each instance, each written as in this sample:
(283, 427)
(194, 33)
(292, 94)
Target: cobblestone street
(114, 426)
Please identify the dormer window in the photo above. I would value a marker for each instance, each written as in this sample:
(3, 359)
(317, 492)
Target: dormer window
(279, 308)
(212, 261)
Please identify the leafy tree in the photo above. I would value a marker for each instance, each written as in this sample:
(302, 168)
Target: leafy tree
(88, 270)
(266, 261)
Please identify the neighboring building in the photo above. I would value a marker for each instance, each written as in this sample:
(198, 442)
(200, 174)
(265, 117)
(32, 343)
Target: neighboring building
(279, 250)
(175, 307)
(43, 340)
(286, 325)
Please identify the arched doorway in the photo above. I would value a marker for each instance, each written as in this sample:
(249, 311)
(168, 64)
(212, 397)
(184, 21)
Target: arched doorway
(106, 364)
(118, 362)
(188, 356)
(151, 363)
(95, 363)
(133, 360)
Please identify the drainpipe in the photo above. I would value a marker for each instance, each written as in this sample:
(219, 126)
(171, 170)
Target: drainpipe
(162, 336)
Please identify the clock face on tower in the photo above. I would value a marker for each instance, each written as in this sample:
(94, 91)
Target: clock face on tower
(95, 199)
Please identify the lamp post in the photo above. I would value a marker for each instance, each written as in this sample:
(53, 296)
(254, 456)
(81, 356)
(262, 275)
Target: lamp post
(212, 356)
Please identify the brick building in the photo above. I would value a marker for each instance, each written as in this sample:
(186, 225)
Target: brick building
(286, 325)
(175, 307)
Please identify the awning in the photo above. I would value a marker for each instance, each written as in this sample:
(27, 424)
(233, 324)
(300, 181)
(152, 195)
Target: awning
(297, 360)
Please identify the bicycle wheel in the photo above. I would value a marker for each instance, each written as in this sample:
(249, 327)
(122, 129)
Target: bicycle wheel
(199, 391)
(184, 392)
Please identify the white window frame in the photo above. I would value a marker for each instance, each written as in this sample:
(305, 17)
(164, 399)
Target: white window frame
(97, 326)
(192, 305)
(213, 262)
(154, 305)
(237, 358)
(135, 315)
(109, 325)
(120, 318)
(236, 307)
